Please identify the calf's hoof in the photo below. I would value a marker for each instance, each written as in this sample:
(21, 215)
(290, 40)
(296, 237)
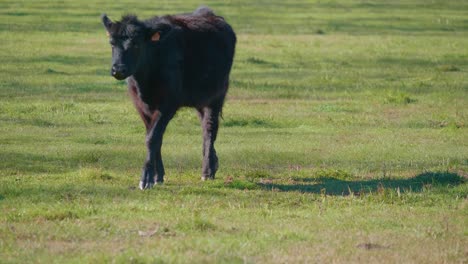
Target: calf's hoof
(207, 177)
(147, 178)
(149, 185)
(144, 185)
(208, 173)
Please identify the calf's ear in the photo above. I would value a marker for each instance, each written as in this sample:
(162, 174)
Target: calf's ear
(155, 37)
(106, 22)
(159, 32)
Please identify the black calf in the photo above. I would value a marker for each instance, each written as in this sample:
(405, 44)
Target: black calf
(170, 62)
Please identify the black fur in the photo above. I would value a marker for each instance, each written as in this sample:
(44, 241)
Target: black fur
(186, 64)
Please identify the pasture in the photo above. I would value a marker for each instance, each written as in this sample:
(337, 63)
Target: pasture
(344, 139)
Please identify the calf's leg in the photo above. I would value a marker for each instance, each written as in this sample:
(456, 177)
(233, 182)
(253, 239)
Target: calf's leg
(210, 121)
(153, 165)
(141, 107)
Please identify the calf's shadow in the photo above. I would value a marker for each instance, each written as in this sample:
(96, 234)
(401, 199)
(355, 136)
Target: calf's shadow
(334, 186)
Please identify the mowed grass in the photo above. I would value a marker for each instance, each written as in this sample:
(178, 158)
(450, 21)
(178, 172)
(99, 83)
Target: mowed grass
(344, 139)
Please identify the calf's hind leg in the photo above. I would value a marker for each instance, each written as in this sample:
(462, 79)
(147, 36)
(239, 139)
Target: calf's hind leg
(209, 117)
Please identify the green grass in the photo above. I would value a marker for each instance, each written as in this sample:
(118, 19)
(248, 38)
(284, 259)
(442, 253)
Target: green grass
(344, 139)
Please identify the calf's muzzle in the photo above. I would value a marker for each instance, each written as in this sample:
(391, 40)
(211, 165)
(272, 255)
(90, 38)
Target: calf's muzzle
(119, 71)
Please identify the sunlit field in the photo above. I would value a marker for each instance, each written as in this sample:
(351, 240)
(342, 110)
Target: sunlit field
(344, 139)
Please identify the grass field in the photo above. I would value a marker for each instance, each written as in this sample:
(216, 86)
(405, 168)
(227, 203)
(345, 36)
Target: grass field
(344, 139)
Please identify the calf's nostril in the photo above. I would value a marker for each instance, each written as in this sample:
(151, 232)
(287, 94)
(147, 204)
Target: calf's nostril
(118, 69)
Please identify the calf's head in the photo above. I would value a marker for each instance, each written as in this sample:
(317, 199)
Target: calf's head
(129, 39)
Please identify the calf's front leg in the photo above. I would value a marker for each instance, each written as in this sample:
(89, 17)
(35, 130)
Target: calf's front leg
(153, 167)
